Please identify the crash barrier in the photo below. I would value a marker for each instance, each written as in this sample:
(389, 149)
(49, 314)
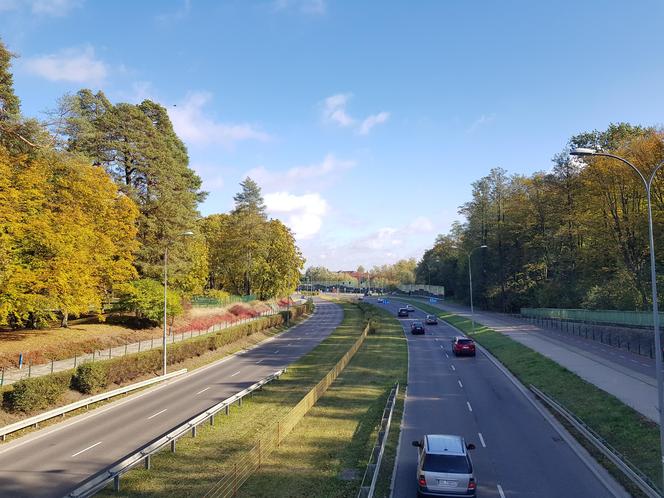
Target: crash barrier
(98, 482)
(624, 465)
(244, 466)
(84, 403)
(368, 484)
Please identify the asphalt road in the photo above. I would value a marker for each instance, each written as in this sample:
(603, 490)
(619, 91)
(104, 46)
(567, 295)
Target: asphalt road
(54, 461)
(518, 454)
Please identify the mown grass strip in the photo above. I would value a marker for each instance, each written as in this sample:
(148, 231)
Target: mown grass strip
(198, 462)
(622, 427)
(326, 454)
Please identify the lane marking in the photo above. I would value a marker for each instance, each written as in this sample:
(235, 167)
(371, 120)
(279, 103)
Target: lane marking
(235, 373)
(446, 355)
(481, 439)
(158, 413)
(259, 361)
(86, 449)
(276, 351)
(460, 384)
(203, 390)
(500, 491)
(453, 367)
(470, 408)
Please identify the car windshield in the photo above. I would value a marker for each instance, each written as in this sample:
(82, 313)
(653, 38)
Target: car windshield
(417, 324)
(452, 464)
(465, 341)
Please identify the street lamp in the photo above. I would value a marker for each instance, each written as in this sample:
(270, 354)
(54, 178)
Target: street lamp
(647, 183)
(184, 234)
(470, 284)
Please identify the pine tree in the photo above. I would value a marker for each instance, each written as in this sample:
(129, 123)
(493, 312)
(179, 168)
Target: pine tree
(250, 199)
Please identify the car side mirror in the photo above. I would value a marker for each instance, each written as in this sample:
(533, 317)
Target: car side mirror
(470, 446)
(416, 444)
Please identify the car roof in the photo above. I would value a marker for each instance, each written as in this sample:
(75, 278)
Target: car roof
(445, 444)
(456, 338)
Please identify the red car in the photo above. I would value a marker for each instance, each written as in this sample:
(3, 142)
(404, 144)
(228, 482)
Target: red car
(463, 345)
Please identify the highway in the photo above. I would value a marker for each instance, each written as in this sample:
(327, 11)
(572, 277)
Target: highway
(52, 462)
(518, 454)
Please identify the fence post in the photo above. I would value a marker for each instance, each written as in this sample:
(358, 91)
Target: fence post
(152, 343)
(51, 365)
(259, 453)
(126, 347)
(109, 352)
(139, 346)
(75, 358)
(2, 380)
(29, 369)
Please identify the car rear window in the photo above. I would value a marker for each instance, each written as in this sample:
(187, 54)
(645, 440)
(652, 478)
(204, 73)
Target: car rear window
(452, 464)
(465, 341)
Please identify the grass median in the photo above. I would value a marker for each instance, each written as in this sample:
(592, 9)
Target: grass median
(622, 427)
(327, 452)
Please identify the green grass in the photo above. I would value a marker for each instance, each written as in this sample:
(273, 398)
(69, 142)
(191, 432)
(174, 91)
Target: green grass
(338, 433)
(197, 464)
(622, 427)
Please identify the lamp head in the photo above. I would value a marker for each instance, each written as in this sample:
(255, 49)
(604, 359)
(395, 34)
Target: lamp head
(583, 151)
(483, 246)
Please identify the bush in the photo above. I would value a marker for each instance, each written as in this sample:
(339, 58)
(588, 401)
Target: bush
(37, 393)
(91, 377)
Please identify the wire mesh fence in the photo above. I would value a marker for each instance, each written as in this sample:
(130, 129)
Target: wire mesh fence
(240, 470)
(609, 317)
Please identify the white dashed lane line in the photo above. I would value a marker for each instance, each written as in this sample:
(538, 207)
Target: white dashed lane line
(235, 373)
(86, 449)
(460, 384)
(452, 366)
(481, 439)
(500, 491)
(203, 390)
(158, 413)
(470, 408)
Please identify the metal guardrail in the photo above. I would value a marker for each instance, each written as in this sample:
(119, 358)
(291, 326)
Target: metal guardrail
(624, 465)
(113, 473)
(373, 467)
(57, 412)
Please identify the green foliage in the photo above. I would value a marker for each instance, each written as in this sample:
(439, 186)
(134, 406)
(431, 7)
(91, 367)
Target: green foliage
(249, 199)
(37, 393)
(145, 297)
(91, 377)
(9, 102)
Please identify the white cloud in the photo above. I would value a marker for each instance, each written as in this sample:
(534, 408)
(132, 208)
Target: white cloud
(55, 8)
(372, 121)
(483, 120)
(299, 176)
(176, 15)
(421, 224)
(315, 7)
(334, 111)
(193, 126)
(303, 213)
(72, 65)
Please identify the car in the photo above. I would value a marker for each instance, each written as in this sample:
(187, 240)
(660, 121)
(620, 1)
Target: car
(403, 312)
(444, 467)
(431, 320)
(380, 301)
(410, 308)
(463, 346)
(417, 327)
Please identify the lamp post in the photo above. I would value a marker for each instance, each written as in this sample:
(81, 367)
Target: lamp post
(166, 301)
(470, 284)
(647, 183)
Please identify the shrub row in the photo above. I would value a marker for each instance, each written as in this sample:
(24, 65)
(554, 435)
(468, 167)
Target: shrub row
(38, 393)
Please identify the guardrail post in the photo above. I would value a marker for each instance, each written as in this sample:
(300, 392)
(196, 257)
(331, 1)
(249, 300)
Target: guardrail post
(148, 462)
(259, 453)
(239, 402)
(228, 409)
(173, 446)
(193, 431)
(211, 419)
(116, 483)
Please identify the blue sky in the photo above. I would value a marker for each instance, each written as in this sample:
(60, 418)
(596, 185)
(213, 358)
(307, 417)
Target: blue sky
(364, 122)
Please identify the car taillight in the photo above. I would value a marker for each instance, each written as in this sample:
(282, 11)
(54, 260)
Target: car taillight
(471, 484)
(422, 481)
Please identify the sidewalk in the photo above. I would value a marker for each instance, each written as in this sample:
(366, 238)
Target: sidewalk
(634, 388)
(11, 375)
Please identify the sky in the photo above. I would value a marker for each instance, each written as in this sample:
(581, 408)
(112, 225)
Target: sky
(365, 123)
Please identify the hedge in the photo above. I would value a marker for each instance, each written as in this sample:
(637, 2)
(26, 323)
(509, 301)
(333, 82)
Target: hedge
(94, 377)
(37, 393)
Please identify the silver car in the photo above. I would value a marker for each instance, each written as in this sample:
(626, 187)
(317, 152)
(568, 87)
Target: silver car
(444, 467)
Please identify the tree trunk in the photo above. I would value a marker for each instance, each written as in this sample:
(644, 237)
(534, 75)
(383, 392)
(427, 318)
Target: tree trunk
(65, 319)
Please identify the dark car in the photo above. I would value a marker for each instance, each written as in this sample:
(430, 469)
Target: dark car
(403, 312)
(417, 328)
(463, 346)
(431, 320)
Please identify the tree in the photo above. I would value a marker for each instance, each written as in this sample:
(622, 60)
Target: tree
(9, 102)
(249, 199)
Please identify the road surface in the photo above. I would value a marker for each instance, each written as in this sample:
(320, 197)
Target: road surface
(518, 454)
(52, 462)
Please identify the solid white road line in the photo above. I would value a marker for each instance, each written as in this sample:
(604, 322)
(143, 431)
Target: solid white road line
(86, 449)
(235, 373)
(203, 390)
(500, 491)
(470, 408)
(453, 367)
(481, 439)
(158, 413)
(460, 384)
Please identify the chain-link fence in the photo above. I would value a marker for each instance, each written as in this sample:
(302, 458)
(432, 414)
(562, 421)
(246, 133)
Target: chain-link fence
(609, 317)
(240, 470)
